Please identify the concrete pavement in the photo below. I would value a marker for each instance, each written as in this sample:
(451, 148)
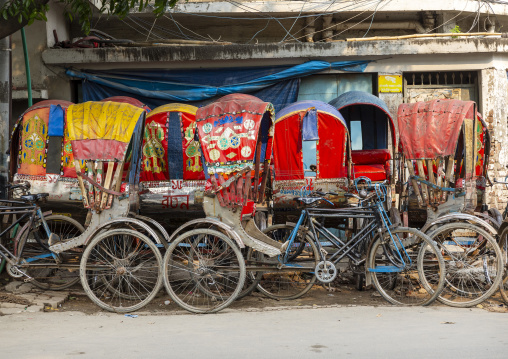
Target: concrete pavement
(356, 332)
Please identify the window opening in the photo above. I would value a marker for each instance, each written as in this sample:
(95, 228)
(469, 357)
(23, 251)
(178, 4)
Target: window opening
(356, 135)
(309, 158)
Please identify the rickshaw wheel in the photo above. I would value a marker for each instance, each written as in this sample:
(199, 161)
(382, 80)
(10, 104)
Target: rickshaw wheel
(419, 281)
(204, 271)
(51, 278)
(121, 270)
(304, 257)
(503, 244)
(474, 264)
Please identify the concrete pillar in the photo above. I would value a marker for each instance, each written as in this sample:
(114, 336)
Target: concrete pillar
(5, 110)
(449, 20)
(494, 91)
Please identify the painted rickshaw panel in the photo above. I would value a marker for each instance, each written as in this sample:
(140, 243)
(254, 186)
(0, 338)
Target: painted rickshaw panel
(172, 179)
(228, 131)
(314, 121)
(374, 160)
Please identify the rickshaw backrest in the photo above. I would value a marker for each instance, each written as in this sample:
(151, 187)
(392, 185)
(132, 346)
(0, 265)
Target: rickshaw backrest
(39, 133)
(100, 134)
(170, 150)
(235, 134)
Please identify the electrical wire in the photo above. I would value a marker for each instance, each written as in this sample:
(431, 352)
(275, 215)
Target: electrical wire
(294, 22)
(371, 21)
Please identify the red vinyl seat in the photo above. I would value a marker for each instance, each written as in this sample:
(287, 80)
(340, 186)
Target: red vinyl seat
(373, 164)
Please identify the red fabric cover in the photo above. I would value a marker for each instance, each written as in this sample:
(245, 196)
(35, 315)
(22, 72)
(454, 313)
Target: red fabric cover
(366, 157)
(97, 149)
(374, 172)
(331, 147)
(287, 149)
(431, 129)
(249, 208)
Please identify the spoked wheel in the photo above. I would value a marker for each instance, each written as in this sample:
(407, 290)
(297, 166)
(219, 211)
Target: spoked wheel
(418, 279)
(204, 271)
(44, 270)
(503, 244)
(474, 264)
(294, 278)
(121, 270)
(252, 279)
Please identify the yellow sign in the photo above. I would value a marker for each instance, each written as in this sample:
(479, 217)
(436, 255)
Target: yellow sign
(390, 83)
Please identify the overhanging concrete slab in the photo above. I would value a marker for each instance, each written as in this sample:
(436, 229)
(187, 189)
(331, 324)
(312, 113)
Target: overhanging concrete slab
(335, 50)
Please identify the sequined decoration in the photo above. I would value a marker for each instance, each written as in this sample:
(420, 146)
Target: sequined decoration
(153, 150)
(34, 138)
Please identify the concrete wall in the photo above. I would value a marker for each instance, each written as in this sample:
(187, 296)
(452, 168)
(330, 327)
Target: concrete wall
(494, 100)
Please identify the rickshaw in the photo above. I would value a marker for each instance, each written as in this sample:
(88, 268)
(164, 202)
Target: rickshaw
(117, 256)
(444, 146)
(373, 135)
(48, 165)
(310, 151)
(204, 269)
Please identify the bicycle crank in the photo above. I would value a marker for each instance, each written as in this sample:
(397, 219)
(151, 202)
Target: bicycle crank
(326, 271)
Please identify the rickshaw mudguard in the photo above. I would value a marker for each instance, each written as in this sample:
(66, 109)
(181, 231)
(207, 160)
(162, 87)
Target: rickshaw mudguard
(249, 234)
(119, 208)
(211, 221)
(460, 217)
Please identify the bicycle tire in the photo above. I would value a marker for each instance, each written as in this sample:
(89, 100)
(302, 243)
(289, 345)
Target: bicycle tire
(126, 260)
(285, 285)
(203, 270)
(468, 275)
(503, 244)
(418, 283)
(50, 278)
(252, 279)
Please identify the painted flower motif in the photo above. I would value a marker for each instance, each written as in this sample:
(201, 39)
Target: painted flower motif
(29, 143)
(39, 144)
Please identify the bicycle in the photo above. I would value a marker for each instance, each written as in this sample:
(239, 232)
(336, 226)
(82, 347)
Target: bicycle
(30, 256)
(405, 265)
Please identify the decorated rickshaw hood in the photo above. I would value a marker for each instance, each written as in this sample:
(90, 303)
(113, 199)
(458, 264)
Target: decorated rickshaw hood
(130, 100)
(363, 98)
(431, 129)
(229, 130)
(306, 105)
(102, 130)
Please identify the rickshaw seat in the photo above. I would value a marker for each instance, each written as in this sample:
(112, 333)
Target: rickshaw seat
(374, 172)
(373, 164)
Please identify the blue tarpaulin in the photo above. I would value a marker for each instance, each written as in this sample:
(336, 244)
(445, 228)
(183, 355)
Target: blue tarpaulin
(278, 84)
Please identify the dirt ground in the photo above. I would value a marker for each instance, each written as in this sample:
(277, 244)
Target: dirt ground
(341, 293)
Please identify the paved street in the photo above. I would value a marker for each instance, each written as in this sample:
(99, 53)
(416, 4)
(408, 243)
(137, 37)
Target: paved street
(356, 332)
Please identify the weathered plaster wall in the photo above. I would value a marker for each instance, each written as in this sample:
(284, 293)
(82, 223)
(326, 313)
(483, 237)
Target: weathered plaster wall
(494, 95)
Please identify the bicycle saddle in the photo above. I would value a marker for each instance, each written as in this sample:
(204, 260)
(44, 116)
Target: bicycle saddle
(34, 197)
(308, 200)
